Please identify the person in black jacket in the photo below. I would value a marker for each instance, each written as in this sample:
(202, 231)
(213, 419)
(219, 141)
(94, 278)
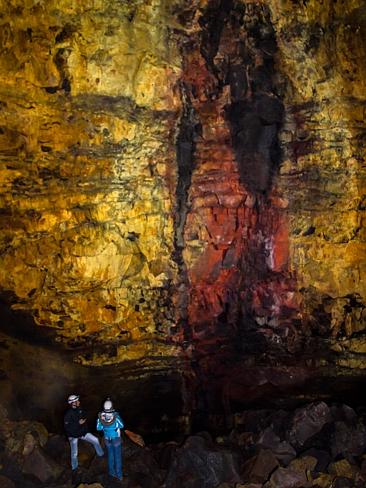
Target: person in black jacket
(76, 428)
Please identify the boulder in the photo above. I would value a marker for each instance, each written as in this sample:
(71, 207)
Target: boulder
(58, 448)
(268, 439)
(307, 422)
(144, 468)
(259, 468)
(343, 413)
(40, 465)
(303, 464)
(166, 454)
(323, 480)
(21, 436)
(201, 464)
(282, 450)
(343, 469)
(342, 482)
(287, 478)
(348, 439)
(359, 481)
(323, 458)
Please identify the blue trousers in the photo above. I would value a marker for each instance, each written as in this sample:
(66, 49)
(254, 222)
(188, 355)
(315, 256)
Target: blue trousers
(114, 450)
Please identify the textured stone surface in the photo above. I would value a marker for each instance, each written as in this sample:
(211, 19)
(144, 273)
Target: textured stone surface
(195, 461)
(87, 174)
(323, 172)
(186, 180)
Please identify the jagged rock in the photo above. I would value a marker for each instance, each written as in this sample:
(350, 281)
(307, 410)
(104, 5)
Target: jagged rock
(287, 478)
(307, 422)
(279, 421)
(166, 454)
(342, 482)
(259, 468)
(304, 464)
(360, 480)
(282, 450)
(268, 439)
(348, 439)
(146, 471)
(200, 464)
(23, 436)
(23, 441)
(58, 448)
(40, 465)
(343, 413)
(343, 469)
(323, 480)
(323, 458)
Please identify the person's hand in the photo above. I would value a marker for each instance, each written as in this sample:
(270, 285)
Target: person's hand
(82, 421)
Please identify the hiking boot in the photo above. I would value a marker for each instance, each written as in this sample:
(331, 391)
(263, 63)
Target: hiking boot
(75, 476)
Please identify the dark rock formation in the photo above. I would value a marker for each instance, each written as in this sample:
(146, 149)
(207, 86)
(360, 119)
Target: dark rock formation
(32, 457)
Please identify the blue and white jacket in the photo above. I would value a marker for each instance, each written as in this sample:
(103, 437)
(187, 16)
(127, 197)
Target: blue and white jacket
(110, 423)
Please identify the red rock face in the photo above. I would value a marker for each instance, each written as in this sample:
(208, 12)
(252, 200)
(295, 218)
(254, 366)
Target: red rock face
(236, 232)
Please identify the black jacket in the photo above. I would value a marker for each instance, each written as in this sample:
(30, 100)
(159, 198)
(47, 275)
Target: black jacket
(71, 422)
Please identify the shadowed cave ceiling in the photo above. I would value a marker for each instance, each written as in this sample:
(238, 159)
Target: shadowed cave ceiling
(183, 190)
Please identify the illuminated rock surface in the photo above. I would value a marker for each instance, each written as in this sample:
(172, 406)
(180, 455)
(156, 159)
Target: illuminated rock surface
(183, 190)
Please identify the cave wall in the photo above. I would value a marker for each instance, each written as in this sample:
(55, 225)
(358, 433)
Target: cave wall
(185, 179)
(88, 174)
(322, 176)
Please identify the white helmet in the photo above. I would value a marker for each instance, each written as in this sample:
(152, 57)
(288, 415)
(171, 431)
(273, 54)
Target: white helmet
(73, 398)
(108, 406)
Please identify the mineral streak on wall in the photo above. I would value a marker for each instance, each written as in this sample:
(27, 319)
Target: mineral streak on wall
(183, 172)
(236, 237)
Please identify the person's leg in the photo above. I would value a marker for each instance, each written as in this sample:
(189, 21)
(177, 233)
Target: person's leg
(74, 452)
(117, 444)
(95, 442)
(110, 451)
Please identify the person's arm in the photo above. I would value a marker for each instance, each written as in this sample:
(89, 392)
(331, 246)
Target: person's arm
(99, 423)
(82, 417)
(120, 424)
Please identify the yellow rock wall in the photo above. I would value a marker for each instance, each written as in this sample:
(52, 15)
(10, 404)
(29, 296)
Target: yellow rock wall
(322, 52)
(87, 180)
(93, 99)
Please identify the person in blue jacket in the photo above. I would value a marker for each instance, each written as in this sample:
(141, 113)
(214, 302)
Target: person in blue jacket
(111, 424)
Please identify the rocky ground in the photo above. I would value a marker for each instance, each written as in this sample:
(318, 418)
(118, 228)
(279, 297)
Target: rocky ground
(317, 445)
